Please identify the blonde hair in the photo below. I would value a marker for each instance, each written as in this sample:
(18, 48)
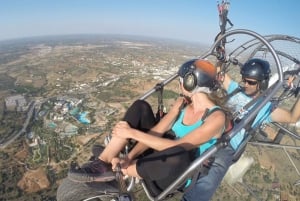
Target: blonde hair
(219, 97)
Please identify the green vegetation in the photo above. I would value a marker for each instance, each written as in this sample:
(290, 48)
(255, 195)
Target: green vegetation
(30, 89)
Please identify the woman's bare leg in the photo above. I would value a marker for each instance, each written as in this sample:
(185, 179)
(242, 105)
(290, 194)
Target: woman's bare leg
(113, 148)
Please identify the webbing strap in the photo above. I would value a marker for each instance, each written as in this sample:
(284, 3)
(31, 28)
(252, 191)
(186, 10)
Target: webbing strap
(160, 111)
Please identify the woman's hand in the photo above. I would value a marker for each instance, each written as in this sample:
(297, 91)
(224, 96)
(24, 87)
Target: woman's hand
(122, 130)
(124, 163)
(114, 162)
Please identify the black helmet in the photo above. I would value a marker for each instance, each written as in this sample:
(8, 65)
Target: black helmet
(197, 72)
(259, 70)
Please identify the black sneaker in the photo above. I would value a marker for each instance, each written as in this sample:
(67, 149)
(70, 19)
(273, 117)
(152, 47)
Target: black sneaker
(94, 171)
(96, 151)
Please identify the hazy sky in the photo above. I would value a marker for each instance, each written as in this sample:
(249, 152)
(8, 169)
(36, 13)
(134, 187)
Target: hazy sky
(194, 20)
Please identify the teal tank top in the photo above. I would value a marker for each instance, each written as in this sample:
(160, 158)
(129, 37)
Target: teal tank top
(181, 130)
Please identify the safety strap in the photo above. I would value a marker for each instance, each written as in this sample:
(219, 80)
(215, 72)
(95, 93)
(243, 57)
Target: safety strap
(161, 108)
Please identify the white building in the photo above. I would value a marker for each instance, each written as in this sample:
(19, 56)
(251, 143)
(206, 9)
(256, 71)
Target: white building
(17, 102)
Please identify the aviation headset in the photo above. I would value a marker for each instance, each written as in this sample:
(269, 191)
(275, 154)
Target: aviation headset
(197, 73)
(259, 70)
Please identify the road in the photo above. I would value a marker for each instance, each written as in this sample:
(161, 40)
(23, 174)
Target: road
(15, 135)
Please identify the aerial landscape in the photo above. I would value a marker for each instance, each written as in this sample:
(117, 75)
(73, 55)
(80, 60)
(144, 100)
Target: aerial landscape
(69, 71)
(60, 95)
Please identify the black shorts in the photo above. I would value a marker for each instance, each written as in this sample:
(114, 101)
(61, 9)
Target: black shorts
(164, 167)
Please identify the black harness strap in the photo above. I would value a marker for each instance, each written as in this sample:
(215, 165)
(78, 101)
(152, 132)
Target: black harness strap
(161, 108)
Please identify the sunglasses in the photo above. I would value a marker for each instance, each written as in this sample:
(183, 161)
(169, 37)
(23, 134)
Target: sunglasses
(249, 82)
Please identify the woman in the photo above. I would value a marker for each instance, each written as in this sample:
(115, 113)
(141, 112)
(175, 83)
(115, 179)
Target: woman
(186, 119)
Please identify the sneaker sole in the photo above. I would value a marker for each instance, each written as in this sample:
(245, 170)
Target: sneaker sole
(83, 177)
